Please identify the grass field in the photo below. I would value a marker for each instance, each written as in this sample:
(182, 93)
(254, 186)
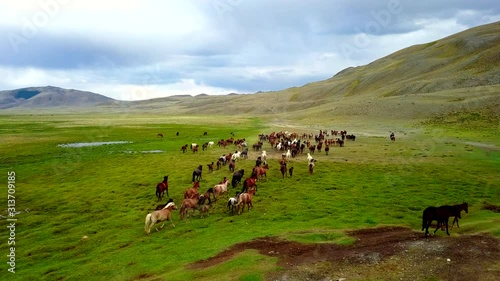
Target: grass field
(105, 192)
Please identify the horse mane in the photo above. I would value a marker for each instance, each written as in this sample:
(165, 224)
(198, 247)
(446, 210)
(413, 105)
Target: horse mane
(168, 205)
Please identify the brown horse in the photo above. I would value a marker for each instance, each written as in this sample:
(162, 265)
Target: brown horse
(245, 199)
(184, 148)
(210, 167)
(164, 214)
(188, 204)
(283, 169)
(160, 135)
(249, 182)
(161, 188)
(192, 192)
(311, 168)
(261, 171)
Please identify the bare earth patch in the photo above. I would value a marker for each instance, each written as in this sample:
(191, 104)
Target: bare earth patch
(384, 253)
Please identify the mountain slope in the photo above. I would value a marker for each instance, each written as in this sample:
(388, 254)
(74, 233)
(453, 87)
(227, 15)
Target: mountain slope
(40, 97)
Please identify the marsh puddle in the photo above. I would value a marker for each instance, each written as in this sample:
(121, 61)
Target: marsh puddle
(153, 151)
(97, 143)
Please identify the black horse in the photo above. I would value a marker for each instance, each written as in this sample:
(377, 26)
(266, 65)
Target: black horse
(197, 173)
(159, 207)
(441, 215)
(237, 177)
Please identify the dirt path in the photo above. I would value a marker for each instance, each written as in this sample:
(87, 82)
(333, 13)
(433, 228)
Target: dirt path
(386, 253)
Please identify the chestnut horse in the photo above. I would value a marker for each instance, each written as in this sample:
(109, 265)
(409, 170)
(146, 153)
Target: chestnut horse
(164, 214)
(250, 182)
(192, 192)
(261, 171)
(245, 199)
(161, 188)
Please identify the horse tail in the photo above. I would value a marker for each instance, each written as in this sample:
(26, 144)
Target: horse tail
(147, 223)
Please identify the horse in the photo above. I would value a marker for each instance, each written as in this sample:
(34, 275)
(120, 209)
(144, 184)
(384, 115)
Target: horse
(237, 177)
(263, 155)
(232, 203)
(457, 210)
(164, 214)
(392, 137)
(219, 164)
(161, 188)
(210, 167)
(197, 173)
(232, 166)
(260, 171)
(245, 199)
(309, 158)
(290, 171)
(283, 169)
(288, 154)
(220, 188)
(207, 194)
(188, 204)
(311, 168)
(193, 191)
(160, 135)
(441, 215)
(249, 182)
(210, 144)
(327, 149)
(184, 148)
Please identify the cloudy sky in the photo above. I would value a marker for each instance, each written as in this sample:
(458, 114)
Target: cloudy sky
(133, 49)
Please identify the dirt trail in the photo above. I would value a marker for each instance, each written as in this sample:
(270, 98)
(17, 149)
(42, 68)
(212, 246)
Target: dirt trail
(385, 253)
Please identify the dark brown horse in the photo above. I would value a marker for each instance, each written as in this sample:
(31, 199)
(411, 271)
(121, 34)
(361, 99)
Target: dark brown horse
(161, 188)
(441, 215)
(197, 173)
(283, 169)
(184, 148)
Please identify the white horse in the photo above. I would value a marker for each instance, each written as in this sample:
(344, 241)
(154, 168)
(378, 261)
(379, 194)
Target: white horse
(263, 156)
(288, 154)
(309, 158)
(232, 203)
(164, 214)
(210, 144)
(236, 156)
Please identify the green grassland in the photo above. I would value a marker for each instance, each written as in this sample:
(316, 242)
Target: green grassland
(105, 192)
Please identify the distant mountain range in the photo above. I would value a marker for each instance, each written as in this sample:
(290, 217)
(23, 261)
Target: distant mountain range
(459, 71)
(42, 97)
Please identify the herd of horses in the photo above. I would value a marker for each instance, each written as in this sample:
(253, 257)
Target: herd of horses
(193, 200)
